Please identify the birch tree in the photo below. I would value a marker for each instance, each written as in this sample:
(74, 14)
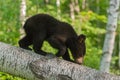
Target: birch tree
(22, 11)
(22, 16)
(32, 66)
(74, 8)
(83, 4)
(110, 35)
(77, 9)
(58, 8)
(71, 5)
(46, 1)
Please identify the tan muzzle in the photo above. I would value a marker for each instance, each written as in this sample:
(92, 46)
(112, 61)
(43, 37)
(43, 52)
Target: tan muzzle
(79, 60)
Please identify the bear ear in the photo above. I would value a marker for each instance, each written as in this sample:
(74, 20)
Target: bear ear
(81, 38)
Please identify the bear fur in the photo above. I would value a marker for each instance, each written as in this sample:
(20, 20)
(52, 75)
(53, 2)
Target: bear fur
(60, 35)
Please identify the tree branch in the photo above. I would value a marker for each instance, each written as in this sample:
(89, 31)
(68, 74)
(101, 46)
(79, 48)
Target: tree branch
(27, 64)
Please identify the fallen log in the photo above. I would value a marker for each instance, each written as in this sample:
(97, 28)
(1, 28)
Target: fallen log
(32, 66)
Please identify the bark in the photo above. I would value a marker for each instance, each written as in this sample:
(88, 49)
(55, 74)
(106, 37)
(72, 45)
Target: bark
(83, 4)
(22, 16)
(57, 69)
(22, 11)
(58, 8)
(74, 8)
(72, 14)
(77, 9)
(46, 1)
(15, 61)
(29, 65)
(110, 35)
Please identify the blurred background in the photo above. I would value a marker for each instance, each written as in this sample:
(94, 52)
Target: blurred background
(87, 17)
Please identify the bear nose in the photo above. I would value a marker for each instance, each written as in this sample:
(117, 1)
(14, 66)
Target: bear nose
(79, 60)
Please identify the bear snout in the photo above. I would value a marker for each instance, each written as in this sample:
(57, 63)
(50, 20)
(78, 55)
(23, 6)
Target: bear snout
(79, 60)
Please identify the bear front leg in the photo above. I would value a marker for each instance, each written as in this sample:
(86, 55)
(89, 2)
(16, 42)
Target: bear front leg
(58, 44)
(61, 52)
(66, 56)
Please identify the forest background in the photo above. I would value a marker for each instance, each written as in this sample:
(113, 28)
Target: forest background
(87, 17)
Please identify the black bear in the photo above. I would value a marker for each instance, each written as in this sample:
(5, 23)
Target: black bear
(60, 35)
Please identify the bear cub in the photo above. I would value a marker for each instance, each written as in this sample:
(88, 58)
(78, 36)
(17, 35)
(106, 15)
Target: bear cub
(60, 35)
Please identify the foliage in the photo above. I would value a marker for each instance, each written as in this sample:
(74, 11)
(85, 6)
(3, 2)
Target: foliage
(87, 22)
(4, 76)
(9, 21)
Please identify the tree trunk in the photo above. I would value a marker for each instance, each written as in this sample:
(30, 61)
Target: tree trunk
(110, 35)
(72, 14)
(77, 9)
(74, 8)
(32, 66)
(83, 4)
(58, 8)
(46, 1)
(16, 61)
(22, 16)
(22, 11)
(57, 69)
